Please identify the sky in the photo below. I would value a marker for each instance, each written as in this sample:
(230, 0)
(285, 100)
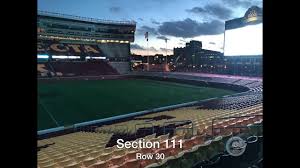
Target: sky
(179, 21)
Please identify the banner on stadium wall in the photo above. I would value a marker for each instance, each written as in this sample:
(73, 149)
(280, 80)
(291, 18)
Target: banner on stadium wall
(69, 49)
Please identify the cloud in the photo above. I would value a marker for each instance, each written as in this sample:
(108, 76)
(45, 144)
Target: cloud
(189, 28)
(163, 2)
(164, 49)
(115, 9)
(196, 10)
(140, 50)
(162, 37)
(153, 49)
(213, 43)
(242, 3)
(220, 12)
(154, 22)
(214, 10)
(142, 30)
(140, 19)
(136, 46)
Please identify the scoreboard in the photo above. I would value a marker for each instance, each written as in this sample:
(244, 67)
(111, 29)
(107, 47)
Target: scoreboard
(244, 36)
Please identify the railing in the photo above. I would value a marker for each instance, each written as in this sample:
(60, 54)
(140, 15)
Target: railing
(224, 118)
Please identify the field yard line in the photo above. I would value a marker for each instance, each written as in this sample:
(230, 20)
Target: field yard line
(50, 114)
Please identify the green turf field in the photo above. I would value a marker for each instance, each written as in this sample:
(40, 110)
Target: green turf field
(70, 102)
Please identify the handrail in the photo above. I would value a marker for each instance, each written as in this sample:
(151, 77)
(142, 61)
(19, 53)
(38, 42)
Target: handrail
(224, 118)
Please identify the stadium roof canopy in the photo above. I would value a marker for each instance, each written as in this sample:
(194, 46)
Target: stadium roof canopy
(252, 16)
(86, 19)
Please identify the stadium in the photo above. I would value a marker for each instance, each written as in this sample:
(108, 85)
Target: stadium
(88, 98)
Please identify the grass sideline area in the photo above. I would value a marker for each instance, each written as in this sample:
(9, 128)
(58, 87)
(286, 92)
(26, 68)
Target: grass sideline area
(71, 102)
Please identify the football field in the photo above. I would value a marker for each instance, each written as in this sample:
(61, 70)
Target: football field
(62, 103)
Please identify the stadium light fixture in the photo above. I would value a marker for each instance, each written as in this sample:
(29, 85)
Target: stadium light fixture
(65, 56)
(95, 57)
(42, 56)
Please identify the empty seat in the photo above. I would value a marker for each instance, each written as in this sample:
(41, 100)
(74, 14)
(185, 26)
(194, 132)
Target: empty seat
(81, 158)
(147, 150)
(100, 164)
(73, 165)
(66, 162)
(117, 160)
(163, 137)
(89, 161)
(153, 165)
(150, 136)
(47, 162)
(52, 165)
(108, 150)
(43, 159)
(104, 157)
(188, 144)
(198, 139)
(119, 152)
(75, 154)
(95, 154)
(134, 163)
(131, 155)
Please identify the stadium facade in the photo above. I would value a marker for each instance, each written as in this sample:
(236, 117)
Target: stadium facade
(74, 37)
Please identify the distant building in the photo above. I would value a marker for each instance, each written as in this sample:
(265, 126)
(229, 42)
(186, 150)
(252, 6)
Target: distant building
(192, 55)
(153, 59)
